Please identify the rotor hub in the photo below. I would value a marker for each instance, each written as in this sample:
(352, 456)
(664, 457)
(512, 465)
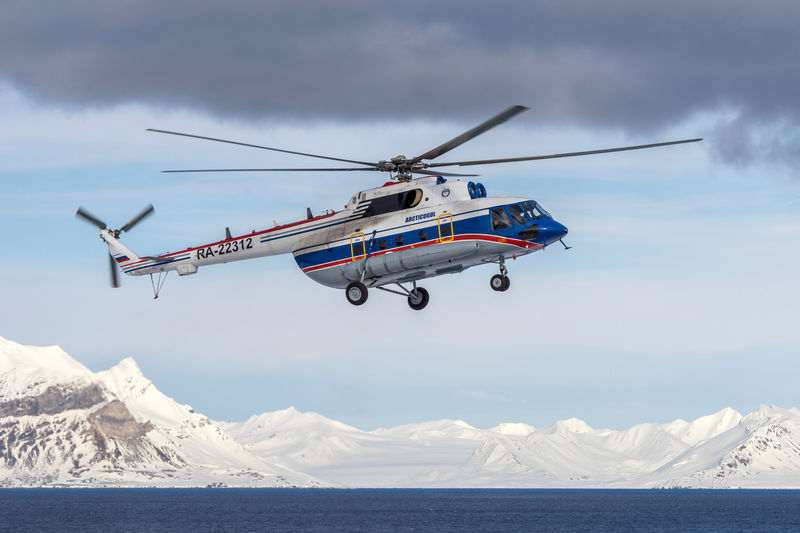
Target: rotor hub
(401, 166)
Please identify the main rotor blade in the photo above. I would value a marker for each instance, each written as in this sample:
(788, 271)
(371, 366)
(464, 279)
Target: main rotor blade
(269, 169)
(91, 219)
(448, 174)
(554, 156)
(135, 220)
(262, 147)
(113, 266)
(474, 132)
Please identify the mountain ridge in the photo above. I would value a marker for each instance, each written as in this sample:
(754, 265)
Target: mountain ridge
(63, 425)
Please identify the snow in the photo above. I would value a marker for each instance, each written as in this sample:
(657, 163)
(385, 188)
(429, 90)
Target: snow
(518, 429)
(29, 370)
(705, 427)
(115, 428)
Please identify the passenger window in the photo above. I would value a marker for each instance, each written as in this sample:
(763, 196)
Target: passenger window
(399, 240)
(358, 248)
(394, 202)
(423, 234)
(382, 244)
(500, 219)
(517, 214)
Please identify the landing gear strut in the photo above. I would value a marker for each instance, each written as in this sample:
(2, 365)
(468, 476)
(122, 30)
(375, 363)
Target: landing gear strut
(500, 282)
(418, 297)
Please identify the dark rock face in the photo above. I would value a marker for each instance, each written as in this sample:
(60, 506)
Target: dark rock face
(46, 441)
(55, 399)
(114, 421)
(64, 439)
(121, 440)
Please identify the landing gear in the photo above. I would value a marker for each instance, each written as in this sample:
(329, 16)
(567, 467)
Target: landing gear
(356, 293)
(418, 299)
(500, 282)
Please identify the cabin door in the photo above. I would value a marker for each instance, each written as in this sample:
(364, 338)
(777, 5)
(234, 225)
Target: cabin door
(446, 228)
(358, 248)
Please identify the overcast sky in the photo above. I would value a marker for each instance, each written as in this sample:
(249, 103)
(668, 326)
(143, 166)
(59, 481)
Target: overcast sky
(679, 297)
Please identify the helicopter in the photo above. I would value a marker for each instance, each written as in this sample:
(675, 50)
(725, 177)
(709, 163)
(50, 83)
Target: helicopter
(415, 226)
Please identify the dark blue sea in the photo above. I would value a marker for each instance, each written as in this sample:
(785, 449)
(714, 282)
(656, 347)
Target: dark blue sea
(201, 510)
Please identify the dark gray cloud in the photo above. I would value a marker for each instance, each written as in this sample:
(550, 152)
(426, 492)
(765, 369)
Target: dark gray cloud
(631, 64)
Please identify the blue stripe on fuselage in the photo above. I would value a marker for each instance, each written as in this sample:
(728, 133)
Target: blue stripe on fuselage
(473, 225)
(335, 253)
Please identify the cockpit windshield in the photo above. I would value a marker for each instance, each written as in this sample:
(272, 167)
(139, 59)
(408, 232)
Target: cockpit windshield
(534, 210)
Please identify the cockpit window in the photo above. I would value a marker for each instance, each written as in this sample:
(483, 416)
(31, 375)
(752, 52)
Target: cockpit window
(528, 206)
(517, 214)
(500, 219)
(535, 210)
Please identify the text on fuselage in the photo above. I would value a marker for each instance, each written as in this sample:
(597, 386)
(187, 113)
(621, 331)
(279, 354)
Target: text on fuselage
(225, 248)
(422, 216)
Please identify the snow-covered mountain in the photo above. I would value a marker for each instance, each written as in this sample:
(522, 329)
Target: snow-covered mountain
(61, 424)
(346, 456)
(719, 450)
(762, 450)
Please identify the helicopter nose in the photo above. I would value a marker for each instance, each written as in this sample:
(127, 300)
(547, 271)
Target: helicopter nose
(552, 231)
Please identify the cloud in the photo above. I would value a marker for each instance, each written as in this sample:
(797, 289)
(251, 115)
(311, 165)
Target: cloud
(620, 64)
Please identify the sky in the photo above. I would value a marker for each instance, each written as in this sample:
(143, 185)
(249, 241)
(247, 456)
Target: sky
(678, 298)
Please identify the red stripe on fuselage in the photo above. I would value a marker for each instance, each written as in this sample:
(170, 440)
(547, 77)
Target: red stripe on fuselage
(466, 237)
(254, 234)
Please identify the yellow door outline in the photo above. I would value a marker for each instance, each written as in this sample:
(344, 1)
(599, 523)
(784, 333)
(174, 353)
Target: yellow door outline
(448, 220)
(355, 239)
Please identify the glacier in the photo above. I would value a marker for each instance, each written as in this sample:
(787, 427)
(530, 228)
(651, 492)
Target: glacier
(64, 425)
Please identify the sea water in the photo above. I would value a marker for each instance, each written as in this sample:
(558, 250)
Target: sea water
(396, 510)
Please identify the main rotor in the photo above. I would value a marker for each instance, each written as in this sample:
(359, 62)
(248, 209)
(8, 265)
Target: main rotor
(402, 168)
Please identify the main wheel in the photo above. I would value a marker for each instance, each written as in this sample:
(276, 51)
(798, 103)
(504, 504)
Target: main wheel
(356, 293)
(506, 283)
(498, 282)
(418, 299)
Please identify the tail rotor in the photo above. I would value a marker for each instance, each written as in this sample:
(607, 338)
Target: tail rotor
(149, 210)
(93, 220)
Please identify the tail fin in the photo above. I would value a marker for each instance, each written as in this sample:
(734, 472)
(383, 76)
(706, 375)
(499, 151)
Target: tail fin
(122, 255)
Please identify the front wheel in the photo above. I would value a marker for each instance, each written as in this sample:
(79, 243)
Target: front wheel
(356, 293)
(418, 299)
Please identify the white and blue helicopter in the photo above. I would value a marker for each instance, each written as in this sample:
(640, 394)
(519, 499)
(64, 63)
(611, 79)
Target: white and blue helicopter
(386, 238)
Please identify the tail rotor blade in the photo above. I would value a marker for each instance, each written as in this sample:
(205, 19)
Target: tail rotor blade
(138, 218)
(113, 266)
(91, 219)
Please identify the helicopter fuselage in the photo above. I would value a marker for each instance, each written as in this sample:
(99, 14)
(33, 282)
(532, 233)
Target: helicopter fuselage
(400, 232)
